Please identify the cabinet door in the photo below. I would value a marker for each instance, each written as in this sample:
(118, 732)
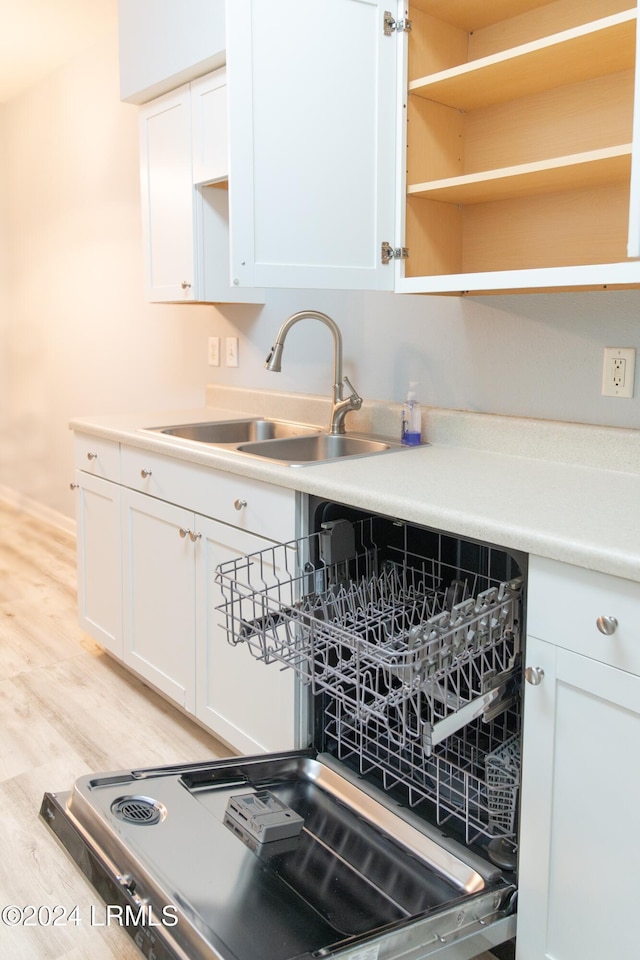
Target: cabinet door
(159, 595)
(580, 817)
(167, 197)
(247, 703)
(99, 560)
(186, 222)
(209, 126)
(312, 113)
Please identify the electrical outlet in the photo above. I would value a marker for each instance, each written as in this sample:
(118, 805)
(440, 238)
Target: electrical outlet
(231, 351)
(214, 351)
(618, 371)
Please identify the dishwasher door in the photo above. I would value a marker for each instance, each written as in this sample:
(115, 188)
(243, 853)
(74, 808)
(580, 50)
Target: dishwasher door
(276, 857)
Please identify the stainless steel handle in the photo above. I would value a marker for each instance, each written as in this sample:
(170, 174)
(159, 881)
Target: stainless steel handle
(145, 473)
(194, 536)
(239, 504)
(92, 456)
(534, 675)
(183, 533)
(607, 625)
(185, 285)
(73, 486)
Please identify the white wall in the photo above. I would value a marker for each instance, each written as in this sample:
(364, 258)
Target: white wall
(76, 337)
(532, 355)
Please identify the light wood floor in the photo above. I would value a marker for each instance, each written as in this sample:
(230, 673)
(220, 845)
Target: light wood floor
(66, 709)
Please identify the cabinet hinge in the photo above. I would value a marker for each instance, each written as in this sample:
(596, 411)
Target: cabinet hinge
(391, 25)
(389, 253)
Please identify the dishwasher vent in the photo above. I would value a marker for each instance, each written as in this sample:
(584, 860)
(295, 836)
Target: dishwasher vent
(142, 811)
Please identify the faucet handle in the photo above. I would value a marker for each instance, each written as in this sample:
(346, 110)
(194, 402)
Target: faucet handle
(355, 397)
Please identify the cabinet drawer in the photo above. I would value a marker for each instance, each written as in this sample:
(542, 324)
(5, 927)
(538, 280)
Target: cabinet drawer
(97, 456)
(249, 504)
(566, 602)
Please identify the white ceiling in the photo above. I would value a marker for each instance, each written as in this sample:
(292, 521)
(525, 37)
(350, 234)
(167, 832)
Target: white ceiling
(38, 36)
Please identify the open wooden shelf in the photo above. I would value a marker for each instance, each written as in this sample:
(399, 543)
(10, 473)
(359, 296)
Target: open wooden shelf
(473, 14)
(520, 135)
(528, 179)
(591, 50)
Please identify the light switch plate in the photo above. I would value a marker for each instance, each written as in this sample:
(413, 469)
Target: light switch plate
(231, 351)
(214, 351)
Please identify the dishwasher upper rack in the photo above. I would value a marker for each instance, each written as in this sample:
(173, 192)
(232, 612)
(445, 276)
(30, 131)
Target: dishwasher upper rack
(412, 635)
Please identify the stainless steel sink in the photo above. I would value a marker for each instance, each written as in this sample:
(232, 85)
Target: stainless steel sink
(282, 441)
(236, 431)
(317, 448)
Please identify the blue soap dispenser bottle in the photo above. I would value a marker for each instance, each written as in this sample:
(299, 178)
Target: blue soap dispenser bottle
(412, 418)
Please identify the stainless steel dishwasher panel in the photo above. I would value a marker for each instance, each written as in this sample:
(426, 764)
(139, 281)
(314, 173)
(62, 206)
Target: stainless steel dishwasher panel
(358, 881)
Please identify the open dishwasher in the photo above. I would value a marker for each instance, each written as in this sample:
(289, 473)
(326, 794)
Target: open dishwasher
(393, 832)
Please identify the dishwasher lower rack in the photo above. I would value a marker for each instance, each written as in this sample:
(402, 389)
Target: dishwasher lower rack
(415, 656)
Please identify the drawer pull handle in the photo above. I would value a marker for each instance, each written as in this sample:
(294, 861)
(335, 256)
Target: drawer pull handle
(194, 536)
(239, 504)
(607, 625)
(92, 456)
(145, 473)
(185, 285)
(183, 532)
(73, 486)
(534, 675)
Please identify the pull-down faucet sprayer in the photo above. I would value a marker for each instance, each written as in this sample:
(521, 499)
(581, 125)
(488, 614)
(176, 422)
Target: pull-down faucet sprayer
(341, 406)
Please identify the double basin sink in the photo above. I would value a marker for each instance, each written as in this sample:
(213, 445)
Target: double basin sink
(280, 440)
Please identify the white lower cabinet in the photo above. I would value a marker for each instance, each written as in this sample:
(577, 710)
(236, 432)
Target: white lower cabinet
(147, 561)
(99, 561)
(250, 706)
(578, 880)
(173, 633)
(159, 585)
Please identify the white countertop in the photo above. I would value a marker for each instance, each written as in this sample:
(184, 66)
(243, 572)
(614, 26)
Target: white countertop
(467, 481)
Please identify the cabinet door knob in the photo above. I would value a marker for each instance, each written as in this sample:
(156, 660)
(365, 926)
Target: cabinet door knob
(607, 625)
(239, 504)
(185, 285)
(534, 675)
(145, 473)
(183, 533)
(73, 486)
(194, 536)
(92, 456)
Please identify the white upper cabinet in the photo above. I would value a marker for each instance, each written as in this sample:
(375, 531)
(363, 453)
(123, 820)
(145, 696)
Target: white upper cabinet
(167, 197)
(504, 132)
(165, 44)
(184, 196)
(312, 107)
(209, 126)
(520, 145)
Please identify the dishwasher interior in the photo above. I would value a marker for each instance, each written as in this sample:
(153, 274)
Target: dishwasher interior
(408, 642)
(393, 831)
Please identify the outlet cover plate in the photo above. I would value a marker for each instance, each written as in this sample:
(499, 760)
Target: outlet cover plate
(618, 371)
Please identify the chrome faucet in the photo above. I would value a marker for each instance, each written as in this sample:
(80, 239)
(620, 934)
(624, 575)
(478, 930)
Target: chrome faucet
(341, 405)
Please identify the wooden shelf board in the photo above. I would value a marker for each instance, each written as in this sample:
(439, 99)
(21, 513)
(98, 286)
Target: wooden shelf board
(576, 171)
(474, 15)
(582, 53)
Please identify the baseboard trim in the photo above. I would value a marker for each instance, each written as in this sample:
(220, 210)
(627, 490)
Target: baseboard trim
(40, 511)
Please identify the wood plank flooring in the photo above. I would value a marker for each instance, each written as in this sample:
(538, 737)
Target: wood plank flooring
(66, 709)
